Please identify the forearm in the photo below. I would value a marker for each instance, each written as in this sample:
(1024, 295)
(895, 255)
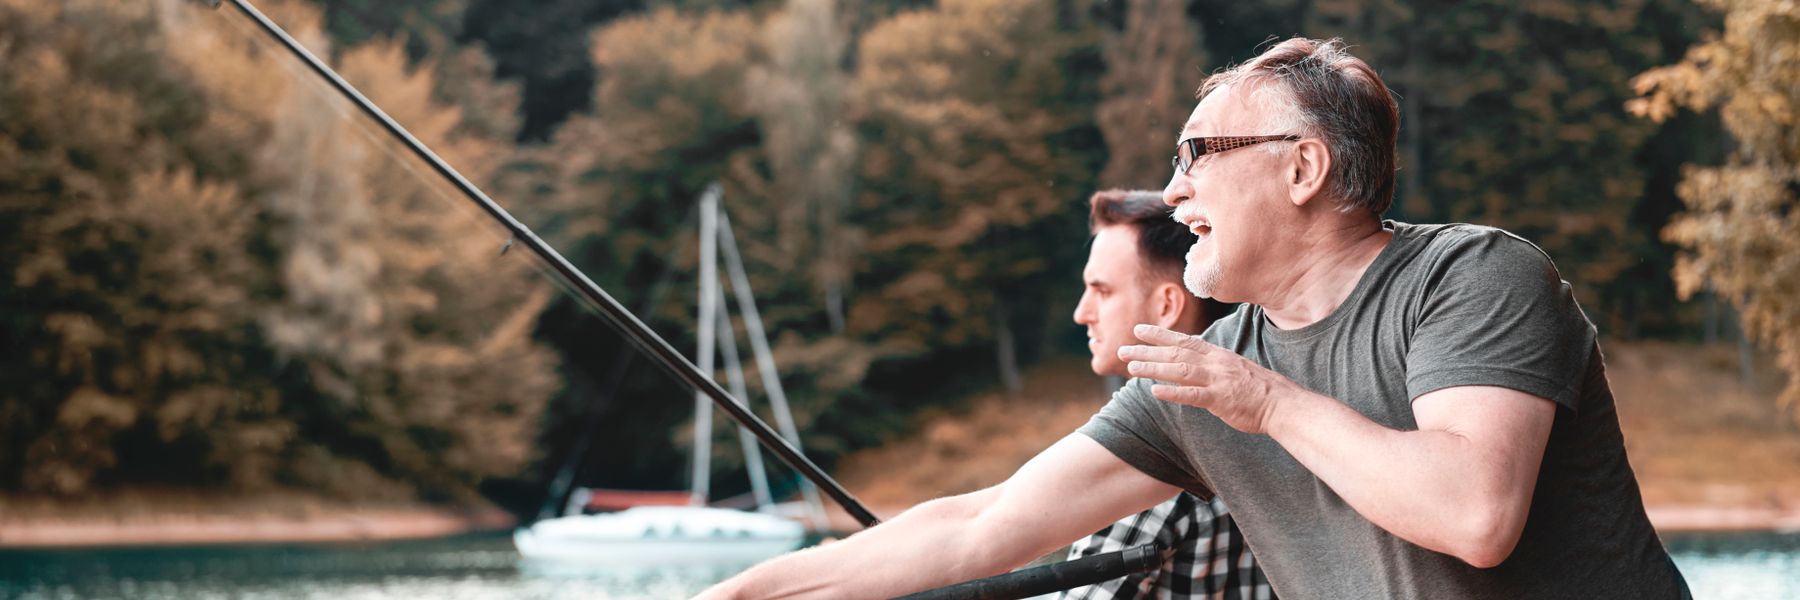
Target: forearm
(1435, 488)
(1070, 489)
(934, 544)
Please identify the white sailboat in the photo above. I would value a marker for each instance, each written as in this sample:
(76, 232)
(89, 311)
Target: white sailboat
(694, 534)
(661, 535)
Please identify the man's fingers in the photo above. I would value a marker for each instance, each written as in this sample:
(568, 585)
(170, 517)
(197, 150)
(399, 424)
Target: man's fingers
(1166, 354)
(1158, 336)
(1176, 372)
(1182, 394)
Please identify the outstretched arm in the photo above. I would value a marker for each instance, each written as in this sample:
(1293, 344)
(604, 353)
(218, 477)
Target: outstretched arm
(1071, 489)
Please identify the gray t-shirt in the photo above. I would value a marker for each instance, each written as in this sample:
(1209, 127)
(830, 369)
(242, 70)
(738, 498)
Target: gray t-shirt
(1441, 306)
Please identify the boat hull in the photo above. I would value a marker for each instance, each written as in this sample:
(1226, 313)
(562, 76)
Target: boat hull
(660, 535)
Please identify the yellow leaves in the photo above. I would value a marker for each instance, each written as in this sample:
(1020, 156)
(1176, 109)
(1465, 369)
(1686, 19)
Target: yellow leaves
(203, 240)
(238, 77)
(379, 69)
(709, 42)
(212, 408)
(514, 332)
(1654, 101)
(90, 406)
(1151, 69)
(637, 53)
(78, 336)
(1741, 234)
(194, 245)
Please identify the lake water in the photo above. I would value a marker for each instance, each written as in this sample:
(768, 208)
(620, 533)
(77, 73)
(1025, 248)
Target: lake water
(1717, 566)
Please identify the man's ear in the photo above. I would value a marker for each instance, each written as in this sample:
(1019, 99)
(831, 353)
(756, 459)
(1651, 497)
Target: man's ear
(1307, 168)
(1171, 303)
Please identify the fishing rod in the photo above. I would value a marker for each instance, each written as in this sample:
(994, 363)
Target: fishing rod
(1017, 584)
(562, 485)
(1053, 577)
(639, 334)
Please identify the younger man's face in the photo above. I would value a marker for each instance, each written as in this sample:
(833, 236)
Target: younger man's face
(1115, 299)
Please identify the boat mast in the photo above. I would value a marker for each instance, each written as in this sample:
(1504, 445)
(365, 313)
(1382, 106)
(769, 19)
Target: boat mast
(765, 359)
(734, 374)
(703, 353)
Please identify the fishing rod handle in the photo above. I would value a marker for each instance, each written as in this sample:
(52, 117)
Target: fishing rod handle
(1054, 577)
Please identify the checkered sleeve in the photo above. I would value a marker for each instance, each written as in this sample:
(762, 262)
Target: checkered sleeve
(1210, 559)
(1130, 532)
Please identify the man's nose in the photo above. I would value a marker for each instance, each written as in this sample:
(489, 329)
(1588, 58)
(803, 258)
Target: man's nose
(1178, 190)
(1082, 308)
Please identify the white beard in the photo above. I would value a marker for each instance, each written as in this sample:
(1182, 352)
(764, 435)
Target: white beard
(1201, 278)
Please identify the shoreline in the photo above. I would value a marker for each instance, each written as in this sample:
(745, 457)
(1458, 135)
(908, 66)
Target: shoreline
(1723, 519)
(195, 530)
(130, 522)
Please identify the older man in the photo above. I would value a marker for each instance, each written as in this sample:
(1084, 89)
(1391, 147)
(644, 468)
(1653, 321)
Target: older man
(1398, 411)
(1133, 276)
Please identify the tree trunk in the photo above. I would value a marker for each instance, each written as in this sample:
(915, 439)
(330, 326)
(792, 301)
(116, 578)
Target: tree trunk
(1007, 352)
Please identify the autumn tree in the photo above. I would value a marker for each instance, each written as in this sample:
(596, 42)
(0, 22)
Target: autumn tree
(799, 98)
(1740, 236)
(616, 190)
(976, 117)
(1153, 65)
(223, 279)
(1512, 115)
(939, 226)
(128, 289)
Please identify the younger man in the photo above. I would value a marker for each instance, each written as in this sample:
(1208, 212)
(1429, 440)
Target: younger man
(1133, 276)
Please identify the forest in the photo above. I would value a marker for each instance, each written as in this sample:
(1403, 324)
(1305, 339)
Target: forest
(215, 275)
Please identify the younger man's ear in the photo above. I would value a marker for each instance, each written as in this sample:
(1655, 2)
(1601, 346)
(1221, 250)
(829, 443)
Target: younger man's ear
(1171, 301)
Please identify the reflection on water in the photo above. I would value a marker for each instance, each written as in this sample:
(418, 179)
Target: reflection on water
(473, 567)
(1717, 566)
(1739, 565)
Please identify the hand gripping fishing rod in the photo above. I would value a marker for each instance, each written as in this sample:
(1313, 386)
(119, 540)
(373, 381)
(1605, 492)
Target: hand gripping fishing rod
(610, 309)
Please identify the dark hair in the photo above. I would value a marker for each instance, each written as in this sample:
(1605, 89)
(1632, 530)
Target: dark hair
(1338, 98)
(1162, 242)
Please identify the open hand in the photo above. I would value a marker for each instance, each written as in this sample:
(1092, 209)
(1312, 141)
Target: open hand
(1241, 393)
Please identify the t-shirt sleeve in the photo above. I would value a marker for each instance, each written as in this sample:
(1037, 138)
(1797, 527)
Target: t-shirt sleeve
(1495, 312)
(1134, 428)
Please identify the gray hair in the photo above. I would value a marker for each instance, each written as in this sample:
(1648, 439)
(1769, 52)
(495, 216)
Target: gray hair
(1315, 88)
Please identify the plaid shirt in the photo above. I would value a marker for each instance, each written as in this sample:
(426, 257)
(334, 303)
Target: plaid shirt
(1210, 558)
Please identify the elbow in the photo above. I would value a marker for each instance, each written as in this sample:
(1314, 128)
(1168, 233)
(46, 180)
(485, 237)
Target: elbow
(992, 544)
(1489, 536)
(1485, 556)
(973, 550)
